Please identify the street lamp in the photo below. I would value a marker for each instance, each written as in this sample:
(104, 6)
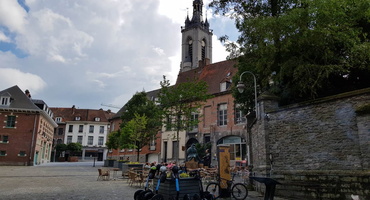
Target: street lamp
(241, 88)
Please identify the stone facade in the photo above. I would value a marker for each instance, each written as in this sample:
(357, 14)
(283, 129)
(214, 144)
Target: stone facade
(317, 149)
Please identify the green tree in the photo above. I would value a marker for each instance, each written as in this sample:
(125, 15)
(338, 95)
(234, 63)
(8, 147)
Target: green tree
(135, 135)
(180, 103)
(113, 139)
(302, 49)
(139, 106)
(74, 148)
(60, 148)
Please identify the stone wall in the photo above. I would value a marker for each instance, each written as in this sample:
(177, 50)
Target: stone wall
(318, 149)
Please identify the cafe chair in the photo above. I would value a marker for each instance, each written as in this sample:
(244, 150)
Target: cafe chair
(103, 175)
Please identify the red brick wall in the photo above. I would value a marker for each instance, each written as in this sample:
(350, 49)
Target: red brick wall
(20, 138)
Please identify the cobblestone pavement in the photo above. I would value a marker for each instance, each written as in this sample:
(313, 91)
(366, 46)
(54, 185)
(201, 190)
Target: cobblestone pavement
(66, 181)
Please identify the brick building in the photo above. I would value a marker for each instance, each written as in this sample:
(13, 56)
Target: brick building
(26, 134)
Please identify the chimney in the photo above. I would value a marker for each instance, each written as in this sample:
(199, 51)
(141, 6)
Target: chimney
(28, 94)
(73, 109)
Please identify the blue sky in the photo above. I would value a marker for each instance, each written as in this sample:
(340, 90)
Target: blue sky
(90, 52)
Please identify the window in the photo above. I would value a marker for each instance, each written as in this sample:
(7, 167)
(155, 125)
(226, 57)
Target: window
(90, 140)
(2, 153)
(22, 154)
(58, 119)
(203, 49)
(194, 119)
(79, 139)
(80, 128)
(77, 118)
(91, 129)
(224, 86)
(190, 52)
(238, 148)
(69, 139)
(70, 128)
(10, 121)
(5, 101)
(97, 119)
(169, 122)
(239, 115)
(101, 141)
(207, 138)
(59, 141)
(60, 131)
(222, 114)
(4, 139)
(101, 130)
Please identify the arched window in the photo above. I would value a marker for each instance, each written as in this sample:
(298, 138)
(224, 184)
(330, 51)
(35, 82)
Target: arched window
(238, 148)
(203, 49)
(190, 49)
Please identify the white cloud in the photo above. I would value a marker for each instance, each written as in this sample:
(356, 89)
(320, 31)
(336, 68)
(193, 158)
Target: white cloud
(10, 77)
(12, 16)
(93, 52)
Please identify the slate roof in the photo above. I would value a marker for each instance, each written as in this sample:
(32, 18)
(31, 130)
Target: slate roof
(18, 99)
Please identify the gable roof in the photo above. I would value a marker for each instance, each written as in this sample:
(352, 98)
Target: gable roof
(18, 100)
(212, 74)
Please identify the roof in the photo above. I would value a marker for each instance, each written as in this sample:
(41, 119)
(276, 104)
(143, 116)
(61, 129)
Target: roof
(69, 114)
(212, 74)
(18, 99)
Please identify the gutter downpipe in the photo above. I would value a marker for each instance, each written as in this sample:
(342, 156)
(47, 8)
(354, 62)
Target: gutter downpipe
(32, 142)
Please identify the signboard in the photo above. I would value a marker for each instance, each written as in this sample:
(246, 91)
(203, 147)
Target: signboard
(223, 152)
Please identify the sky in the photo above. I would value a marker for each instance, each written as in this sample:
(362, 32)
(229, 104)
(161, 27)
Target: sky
(94, 53)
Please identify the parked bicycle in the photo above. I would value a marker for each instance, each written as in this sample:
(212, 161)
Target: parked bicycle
(238, 190)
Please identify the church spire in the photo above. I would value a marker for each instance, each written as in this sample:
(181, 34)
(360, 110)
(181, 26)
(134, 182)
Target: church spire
(197, 11)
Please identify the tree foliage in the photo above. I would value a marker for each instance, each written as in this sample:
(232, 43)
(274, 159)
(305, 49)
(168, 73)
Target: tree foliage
(74, 148)
(134, 134)
(302, 49)
(180, 102)
(113, 140)
(141, 122)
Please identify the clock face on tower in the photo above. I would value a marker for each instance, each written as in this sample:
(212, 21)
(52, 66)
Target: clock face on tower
(190, 41)
(203, 43)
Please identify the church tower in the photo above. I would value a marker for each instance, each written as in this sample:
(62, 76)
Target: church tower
(196, 40)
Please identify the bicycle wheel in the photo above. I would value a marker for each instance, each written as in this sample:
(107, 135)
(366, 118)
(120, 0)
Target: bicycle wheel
(157, 197)
(213, 189)
(239, 191)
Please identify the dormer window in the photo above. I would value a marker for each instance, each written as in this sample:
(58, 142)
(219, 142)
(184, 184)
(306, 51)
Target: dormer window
(224, 86)
(77, 118)
(97, 119)
(58, 119)
(5, 100)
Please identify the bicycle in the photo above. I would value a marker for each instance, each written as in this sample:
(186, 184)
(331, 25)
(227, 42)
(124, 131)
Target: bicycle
(238, 190)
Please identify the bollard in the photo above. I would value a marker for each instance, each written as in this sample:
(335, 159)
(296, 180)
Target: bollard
(94, 162)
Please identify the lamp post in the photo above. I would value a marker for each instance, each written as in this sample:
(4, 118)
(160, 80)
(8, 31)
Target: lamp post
(241, 88)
